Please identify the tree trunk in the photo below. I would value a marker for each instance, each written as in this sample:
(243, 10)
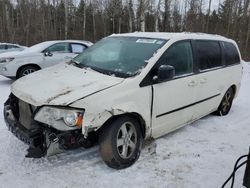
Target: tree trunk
(84, 21)
(94, 28)
(166, 16)
(142, 6)
(7, 22)
(247, 37)
(157, 14)
(131, 16)
(208, 15)
(66, 20)
(119, 24)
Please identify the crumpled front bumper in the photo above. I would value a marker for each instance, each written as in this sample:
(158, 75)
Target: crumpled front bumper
(41, 139)
(34, 137)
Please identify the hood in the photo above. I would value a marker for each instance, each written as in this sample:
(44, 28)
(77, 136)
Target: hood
(10, 54)
(61, 85)
(16, 54)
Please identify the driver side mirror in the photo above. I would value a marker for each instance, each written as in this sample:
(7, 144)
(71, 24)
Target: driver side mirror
(48, 54)
(164, 73)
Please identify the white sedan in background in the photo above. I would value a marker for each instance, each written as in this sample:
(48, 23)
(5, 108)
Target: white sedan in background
(8, 47)
(17, 64)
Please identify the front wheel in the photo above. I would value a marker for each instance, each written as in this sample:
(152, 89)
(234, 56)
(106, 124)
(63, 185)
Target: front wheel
(120, 142)
(27, 70)
(226, 103)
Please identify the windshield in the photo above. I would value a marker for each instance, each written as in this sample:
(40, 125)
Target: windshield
(119, 56)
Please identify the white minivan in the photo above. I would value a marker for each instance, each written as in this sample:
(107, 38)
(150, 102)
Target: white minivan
(123, 90)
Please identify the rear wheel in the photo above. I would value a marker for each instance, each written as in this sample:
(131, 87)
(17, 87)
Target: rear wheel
(27, 70)
(120, 142)
(226, 103)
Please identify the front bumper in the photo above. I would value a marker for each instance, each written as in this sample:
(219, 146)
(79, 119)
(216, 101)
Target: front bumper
(41, 139)
(33, 137)
(3, 70)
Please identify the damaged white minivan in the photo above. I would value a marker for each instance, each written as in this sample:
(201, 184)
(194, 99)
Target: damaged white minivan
(123, 90)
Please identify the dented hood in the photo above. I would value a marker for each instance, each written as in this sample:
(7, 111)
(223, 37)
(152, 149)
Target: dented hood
(61, 85)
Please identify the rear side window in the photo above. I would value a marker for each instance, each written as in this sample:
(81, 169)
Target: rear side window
(180, 56)
(231, 54)
(209, 54)
(77, 48)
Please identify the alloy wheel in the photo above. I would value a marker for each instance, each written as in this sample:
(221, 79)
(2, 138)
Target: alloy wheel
(126, 140)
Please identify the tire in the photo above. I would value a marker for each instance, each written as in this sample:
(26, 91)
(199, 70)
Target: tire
(226, 103)
(27, 70)
(120, 142)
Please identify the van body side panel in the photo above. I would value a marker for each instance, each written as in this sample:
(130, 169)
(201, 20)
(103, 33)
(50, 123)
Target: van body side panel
(171, 108)
(212, 83)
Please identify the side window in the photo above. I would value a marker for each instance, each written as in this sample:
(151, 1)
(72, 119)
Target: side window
(179, 56)
(12, 46)
(59, 47)
(77, 48)
(231, 54)
(209, 54)
(2, 47)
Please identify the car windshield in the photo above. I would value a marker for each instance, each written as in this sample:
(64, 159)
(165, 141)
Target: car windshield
(119, 56)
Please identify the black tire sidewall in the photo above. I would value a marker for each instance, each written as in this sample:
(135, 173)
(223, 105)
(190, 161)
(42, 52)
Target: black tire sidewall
(116, 161)
(20, 74)
(223, 113)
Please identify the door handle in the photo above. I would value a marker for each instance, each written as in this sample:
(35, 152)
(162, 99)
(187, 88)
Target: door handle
(203, 81)
(193, 83)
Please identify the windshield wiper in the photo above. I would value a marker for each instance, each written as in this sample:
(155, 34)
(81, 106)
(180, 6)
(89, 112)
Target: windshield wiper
(102, 71)
(78, 64)
(74, 62)
(110, 73)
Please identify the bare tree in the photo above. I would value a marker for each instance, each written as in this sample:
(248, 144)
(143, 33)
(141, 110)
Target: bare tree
(66, 5)
(143, 5)
(166, 15)
(157, 15)
(208, 15)
(131, 16)
(247, 37)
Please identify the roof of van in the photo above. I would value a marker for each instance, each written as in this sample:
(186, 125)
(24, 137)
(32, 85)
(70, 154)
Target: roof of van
(168, 36)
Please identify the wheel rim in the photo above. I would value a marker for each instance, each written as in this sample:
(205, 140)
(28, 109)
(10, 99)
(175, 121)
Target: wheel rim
(126, 140)
(28, 71)
(226, 104)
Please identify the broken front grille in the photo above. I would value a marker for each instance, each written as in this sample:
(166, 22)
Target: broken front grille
(25, 114)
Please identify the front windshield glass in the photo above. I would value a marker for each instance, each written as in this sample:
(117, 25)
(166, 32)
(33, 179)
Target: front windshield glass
(119, 56)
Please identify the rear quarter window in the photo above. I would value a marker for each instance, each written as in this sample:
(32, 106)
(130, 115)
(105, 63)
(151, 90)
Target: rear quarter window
(77, 48)
(209, 54)
(231, 54)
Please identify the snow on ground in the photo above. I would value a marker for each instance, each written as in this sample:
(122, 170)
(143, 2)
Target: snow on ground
(199, 155)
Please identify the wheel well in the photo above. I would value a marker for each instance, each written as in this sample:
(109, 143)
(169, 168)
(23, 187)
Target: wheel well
(20, 68)
(134, 115)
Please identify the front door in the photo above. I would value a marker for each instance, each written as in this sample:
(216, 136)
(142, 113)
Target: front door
(173, 100)
(57, 53)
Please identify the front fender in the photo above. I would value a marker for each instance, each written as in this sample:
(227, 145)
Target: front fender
(96, 120)
(118, 100)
